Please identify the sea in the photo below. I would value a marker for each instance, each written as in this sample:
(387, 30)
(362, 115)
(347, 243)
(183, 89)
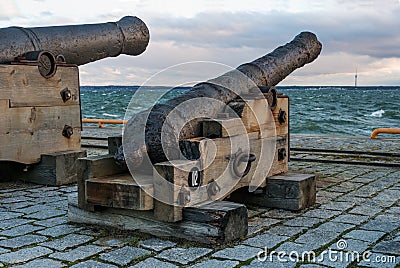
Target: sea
(333, 110)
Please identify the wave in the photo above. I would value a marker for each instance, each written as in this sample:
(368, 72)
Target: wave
(110, 115)
(378, 113)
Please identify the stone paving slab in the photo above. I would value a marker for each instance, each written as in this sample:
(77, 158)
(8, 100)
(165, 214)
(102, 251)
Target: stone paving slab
(153, 263)
(124, 255)
(42, 263)
(67, 241)
(240, 253)
(59, 230)
(215, 263)
(21, 230)
(23, 240)
(78, 253)
(93, 264)
(357, 204)
(23, 255)
(183, 255)
(156, 244)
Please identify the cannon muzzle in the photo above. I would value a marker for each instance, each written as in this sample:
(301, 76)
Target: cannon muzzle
(79, 44)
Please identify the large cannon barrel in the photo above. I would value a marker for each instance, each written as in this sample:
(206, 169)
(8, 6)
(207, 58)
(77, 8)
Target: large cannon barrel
(79, 44)
(268, 70)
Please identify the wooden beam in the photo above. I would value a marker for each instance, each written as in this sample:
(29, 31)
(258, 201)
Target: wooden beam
(31, 119)
(216, 159)
(27, 148)
(95, 167)
(59, 168)
(113, 144)
(170, 189)
(24, 86)
(120, 191)
(281, 127)
(291, 191)
(218, 127)
(217, 223)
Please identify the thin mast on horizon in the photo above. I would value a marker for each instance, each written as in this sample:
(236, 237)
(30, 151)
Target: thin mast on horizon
(355, 78)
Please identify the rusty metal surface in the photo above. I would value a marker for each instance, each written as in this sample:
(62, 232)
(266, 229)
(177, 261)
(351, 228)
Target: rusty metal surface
(79, 44)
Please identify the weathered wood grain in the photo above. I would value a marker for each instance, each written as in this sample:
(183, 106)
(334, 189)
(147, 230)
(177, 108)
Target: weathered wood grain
(113, 144)
(24, 86)
(27, 148)
(59, 168)
(168, 179)
(31, 119)
(120, 191)
(217, 223)
(95, 167)
(33, 113)
(219, 128)
(291, 191)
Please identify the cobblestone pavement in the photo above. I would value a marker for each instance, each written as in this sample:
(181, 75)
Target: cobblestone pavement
(357, 211)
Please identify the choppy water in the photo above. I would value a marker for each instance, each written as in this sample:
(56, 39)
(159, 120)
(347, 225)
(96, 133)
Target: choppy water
(313, 110)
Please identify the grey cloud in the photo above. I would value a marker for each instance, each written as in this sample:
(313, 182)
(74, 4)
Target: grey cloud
(46, 13)
(363, 32)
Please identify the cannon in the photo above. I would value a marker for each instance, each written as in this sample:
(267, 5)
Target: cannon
(178, 162)
(78, 44)
(40, 121)
(268, 70)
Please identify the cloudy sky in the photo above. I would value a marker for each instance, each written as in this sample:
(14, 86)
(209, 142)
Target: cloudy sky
(357, 34)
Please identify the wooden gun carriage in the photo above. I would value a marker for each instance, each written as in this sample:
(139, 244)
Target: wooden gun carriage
(40, 119)
(199, 196)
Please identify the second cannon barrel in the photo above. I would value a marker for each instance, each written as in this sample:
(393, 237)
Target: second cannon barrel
(79, 44)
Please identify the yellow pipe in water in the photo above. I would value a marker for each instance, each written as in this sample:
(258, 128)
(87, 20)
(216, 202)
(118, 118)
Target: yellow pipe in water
(100, 122)
(384, 130)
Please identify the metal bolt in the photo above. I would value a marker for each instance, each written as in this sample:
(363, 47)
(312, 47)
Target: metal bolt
(213, 188)
(60, 58)
(183, 197)
(281, 154)
(281, 116)
(68, 131)
(65, 94)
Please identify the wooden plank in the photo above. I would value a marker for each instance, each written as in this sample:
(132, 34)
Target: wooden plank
(24, 86)
(218, 127)
(120, 191)
(266, 122)
(114, 143)
(28, 147)
(32, 119)
(291, 191)
(95, 167)
(215, 156)
(59, 168)
(254, 113)
(101, 166)
(170, 189)
(217, 223)
(280, 128)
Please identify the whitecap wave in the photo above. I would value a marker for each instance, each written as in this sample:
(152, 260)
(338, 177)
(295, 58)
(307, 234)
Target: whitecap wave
(110, 115)
(378, 113)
